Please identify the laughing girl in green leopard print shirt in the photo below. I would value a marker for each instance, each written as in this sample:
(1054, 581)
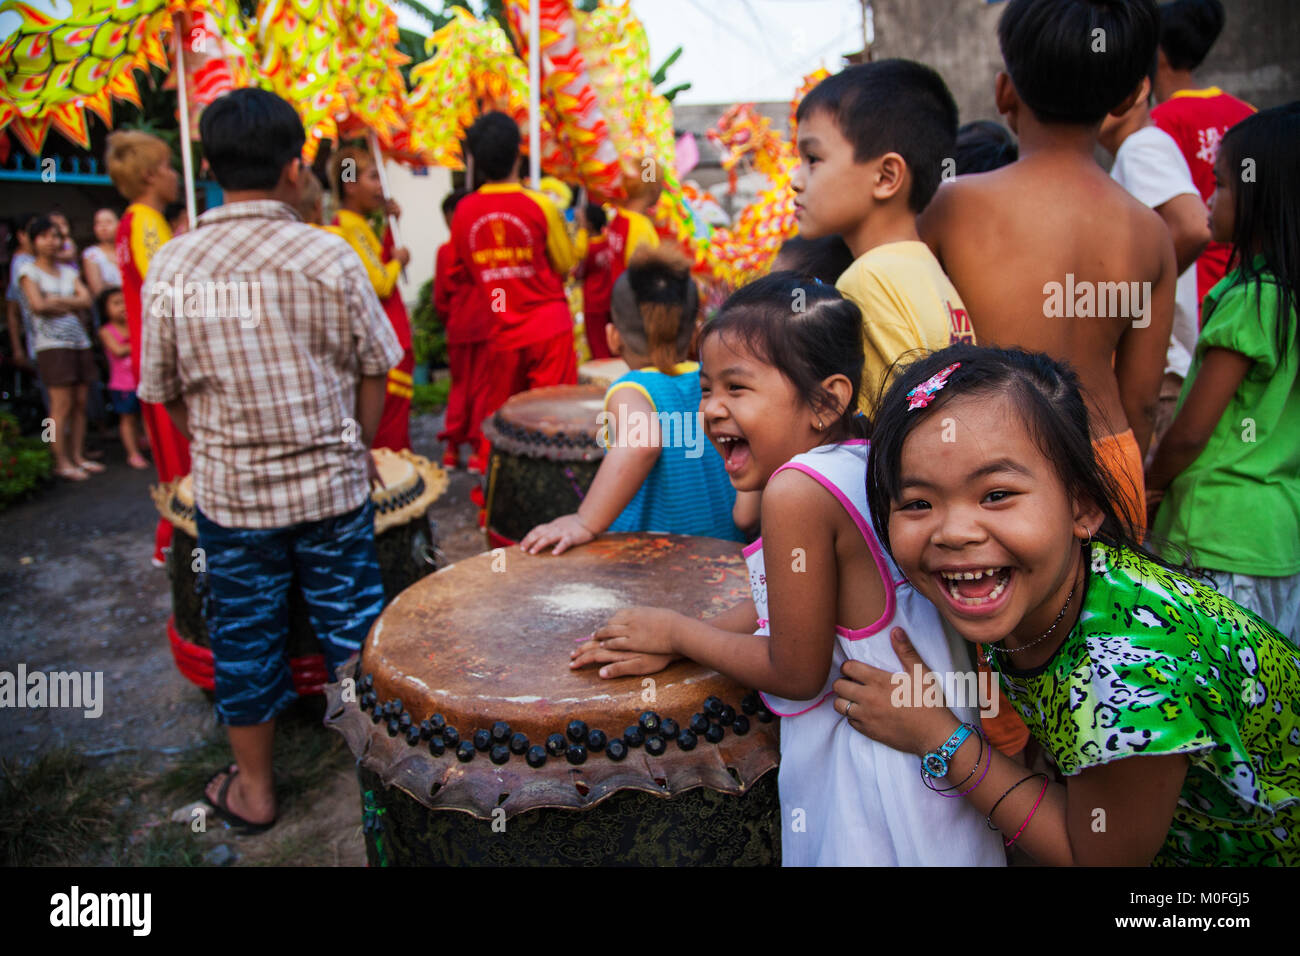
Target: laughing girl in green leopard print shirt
(1172, 713)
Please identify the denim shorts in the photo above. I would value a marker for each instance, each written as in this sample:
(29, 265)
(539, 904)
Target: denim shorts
(249, 572)
(124, 403)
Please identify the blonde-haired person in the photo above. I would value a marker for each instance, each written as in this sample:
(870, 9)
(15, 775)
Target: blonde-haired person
(141, 168)
(359, 193)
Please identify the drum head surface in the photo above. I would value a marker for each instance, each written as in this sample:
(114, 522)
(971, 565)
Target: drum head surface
(488, 640)
(560, 423)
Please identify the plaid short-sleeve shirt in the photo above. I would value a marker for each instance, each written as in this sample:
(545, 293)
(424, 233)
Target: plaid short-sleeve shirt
(264, 325)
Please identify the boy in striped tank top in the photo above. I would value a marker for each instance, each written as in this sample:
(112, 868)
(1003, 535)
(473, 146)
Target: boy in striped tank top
(660, 471)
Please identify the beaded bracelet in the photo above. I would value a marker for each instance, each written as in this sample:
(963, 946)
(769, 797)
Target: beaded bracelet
(1032, 811)
(1006, 794)
(946, 791)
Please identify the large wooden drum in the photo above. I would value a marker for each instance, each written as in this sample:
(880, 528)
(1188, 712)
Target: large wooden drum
(476, 743)
(546, 451)
(405, 539)
(602, 372)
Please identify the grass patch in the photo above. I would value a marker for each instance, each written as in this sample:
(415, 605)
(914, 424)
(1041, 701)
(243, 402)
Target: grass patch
(60, 810)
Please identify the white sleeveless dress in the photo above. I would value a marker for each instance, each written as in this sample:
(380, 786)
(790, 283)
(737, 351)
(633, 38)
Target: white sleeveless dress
(847, 800)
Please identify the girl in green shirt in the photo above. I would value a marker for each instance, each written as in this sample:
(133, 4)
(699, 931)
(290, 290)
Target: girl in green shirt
(1226, 477)
(1171, 714)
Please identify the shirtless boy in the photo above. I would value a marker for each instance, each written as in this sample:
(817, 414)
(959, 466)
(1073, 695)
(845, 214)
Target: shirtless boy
(1035, 248)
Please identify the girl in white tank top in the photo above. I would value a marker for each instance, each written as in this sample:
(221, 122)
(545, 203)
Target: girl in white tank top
(781, 368)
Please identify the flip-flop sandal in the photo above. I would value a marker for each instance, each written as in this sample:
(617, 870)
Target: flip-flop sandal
(94, 467)
(71, 474)
(245, 827)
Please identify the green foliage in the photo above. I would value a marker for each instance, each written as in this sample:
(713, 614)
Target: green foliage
(431, 397)
(428, 334)
(661, 75)
(24, 462)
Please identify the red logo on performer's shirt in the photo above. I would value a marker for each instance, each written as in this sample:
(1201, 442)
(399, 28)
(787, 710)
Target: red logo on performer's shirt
(960, 328)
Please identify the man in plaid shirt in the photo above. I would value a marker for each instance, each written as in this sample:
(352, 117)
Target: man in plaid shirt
(264, 339)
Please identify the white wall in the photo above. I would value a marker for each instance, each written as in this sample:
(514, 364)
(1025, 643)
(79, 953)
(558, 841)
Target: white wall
(421, 226)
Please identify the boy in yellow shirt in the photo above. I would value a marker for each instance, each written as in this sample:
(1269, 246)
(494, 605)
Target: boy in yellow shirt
(873, 140)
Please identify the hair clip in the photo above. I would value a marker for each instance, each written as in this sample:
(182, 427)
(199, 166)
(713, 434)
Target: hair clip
(923, 394)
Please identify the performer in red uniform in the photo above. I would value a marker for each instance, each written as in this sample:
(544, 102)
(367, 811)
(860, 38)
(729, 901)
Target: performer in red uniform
(1196, 118)
(468, 324)
(141, 170)
(596, 272)
(514, 244)
(360, 194)
(630, 226)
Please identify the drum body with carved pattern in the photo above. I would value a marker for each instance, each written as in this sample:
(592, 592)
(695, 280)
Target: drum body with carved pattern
(546, 450)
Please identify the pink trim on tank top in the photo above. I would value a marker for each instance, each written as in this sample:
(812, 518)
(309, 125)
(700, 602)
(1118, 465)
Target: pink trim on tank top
(796, 713)
(749, 549)
(856, 634)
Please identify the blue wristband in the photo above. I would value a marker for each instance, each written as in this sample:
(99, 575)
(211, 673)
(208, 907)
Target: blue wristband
(935, 764)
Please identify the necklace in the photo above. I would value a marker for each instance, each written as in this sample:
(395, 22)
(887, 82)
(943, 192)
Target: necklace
(1045, 635)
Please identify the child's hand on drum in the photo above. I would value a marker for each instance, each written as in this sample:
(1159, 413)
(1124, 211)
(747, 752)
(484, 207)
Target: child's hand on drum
(564, 532)
(618, 663)
(637, 640)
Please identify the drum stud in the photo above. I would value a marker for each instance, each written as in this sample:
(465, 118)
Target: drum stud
(655, 745)
(576, 754)
(438, 723)
(699, 723)
(713, 706)
(500, 732)
(377, 715)
(451, 735)
(536, 755)
(482, 739)
(596, 740)
(393, 727)
(397, 706)
(404, 721)
(634, 736)
(749, 704)
(465, 752)
(616, 749)
(500, 753)
(727, 716)
(740, 726)
(369, 699)
(412, 735)
(519, 743)
(368, 682)
(764, 716)
(649, 721)
(426, 730)
(437, 746)
(715, 733)
(687, 740)
(556, 745)
(669, 728)
(577, 731)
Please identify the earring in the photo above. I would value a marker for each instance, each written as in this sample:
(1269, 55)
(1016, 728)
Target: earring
(820, 426)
